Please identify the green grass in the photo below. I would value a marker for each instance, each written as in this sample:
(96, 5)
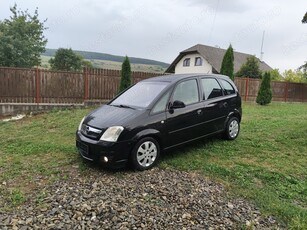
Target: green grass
(266, 164)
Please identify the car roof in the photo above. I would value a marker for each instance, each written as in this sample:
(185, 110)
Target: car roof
(177, 77)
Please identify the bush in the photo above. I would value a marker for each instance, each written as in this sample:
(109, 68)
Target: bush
(265, 93)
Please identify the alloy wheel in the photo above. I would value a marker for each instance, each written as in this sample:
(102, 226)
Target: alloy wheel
(147, 153)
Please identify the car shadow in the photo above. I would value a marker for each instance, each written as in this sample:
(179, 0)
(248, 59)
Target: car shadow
(186, 148)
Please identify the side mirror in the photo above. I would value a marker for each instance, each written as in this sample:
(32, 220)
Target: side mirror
(177, 105)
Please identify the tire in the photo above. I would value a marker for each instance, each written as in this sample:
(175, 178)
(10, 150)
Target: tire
(232, 128)
(145, 154)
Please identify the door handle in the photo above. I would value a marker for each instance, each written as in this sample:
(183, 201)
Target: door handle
(225, 104)
(210, 105)
(199, 112)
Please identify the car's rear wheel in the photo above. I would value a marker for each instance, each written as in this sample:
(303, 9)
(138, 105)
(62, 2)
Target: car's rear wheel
(145, 154)
(232, 129)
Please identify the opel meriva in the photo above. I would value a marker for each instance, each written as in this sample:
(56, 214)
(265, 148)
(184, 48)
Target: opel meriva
(157, 114)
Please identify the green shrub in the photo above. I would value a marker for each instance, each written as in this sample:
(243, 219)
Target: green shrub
(265, 93)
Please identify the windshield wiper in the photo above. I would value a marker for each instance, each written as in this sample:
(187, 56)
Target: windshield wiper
(123, 106)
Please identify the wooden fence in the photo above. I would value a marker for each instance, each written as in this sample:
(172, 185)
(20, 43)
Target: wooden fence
(281, 91)
(43, 86)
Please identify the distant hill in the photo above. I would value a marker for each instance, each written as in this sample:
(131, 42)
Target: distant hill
(109, 57)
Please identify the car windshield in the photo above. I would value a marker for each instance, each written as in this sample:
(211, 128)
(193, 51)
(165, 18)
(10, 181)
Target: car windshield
(140, 95)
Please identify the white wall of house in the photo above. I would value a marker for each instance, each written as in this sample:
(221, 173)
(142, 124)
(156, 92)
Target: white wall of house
(204, 68)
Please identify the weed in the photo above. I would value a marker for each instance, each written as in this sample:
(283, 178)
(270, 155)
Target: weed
(17, 197)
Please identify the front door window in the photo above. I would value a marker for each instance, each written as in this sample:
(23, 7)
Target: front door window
(187, 92)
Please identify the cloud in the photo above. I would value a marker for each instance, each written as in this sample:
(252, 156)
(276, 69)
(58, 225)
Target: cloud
(234, 6)
(160, 29)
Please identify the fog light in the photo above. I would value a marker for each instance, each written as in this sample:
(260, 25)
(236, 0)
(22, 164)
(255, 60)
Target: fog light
(105, 159)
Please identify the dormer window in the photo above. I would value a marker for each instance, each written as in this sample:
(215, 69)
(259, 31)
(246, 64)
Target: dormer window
(198, 61)
(186, 62)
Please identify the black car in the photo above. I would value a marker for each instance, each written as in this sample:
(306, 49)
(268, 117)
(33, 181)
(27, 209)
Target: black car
(157, 114)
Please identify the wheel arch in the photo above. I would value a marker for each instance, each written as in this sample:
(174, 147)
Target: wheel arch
(236, 113)
(149, 133)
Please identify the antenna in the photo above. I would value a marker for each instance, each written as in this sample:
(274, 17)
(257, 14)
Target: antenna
(261, 52)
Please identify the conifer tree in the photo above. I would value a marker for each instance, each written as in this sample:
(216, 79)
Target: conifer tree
(265, 93)
(227, 64)
(125, 80)
(304, 20)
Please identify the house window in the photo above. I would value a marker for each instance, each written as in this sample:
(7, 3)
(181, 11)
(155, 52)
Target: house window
(198, 61)
(186, 62)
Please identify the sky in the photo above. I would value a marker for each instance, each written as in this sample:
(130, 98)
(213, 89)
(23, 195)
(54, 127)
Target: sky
(159, 29)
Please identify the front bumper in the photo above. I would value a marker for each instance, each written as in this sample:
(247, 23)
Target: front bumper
(117, 153)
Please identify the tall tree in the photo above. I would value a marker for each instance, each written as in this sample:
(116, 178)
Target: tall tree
(250, 68)
(275, 75)
(264, 96)
(303, 67)
(297, 76)
(304, 20)
(66, 60)
(21, 39)
(125, 80)
(227, 64)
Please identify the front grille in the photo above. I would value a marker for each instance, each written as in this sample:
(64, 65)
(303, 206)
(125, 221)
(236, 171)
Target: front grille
(91, 132)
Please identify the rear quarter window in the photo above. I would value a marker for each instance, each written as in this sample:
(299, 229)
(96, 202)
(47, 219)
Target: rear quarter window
(228, 88)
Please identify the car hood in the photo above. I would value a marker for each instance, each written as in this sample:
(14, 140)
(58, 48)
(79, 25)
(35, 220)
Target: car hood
(107, 116)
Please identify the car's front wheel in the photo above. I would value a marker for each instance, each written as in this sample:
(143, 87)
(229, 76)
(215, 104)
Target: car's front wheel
(145, 154)
(232, 129)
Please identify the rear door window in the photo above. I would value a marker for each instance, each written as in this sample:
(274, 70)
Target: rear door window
(211, 88)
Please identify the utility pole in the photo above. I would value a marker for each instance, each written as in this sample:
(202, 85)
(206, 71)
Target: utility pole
(261, 52)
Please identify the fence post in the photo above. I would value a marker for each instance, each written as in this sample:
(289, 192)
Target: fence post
(246, 88)
(286, 91)
(37, 84)
(302, 87)
(85, 83)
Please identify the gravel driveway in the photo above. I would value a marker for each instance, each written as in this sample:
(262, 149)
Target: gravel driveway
(154, 199)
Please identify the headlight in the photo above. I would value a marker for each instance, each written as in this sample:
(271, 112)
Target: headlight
(112, 133)
(80, 125)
